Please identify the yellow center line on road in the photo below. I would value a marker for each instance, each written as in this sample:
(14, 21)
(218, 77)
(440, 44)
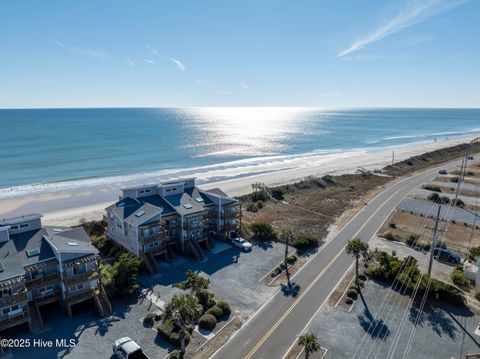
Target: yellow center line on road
(317, 278)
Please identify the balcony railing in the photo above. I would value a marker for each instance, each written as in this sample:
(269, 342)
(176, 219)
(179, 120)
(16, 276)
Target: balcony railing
(81, 277)
(48, 297)
(155, 237)
(43, 281)
(7, 322)
(73, 298)
(14, 298)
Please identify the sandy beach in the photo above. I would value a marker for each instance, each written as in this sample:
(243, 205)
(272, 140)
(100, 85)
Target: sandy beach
(68, 207)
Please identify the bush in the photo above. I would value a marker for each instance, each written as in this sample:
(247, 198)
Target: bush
(175, 354)
(277, 193)
(175, 339)
(354, 288)
(149, 318)
(352, 294)
(412, 239)
(303, 242)
(362, 277)
(224, 306)
(252, 208)
(458, 203)
(207, 321)
(291, 259)
(259, 196)
(263, 231)
(433, 197)
(449, 294)
(458, 277)
(259, 204)
(164, 328)
(102, 244)
(205, 298)
(474, 253)
(432, 188)
(388, 235)
(215, 311)
(424, 245)
(455, 179)
(392, 225)
(348, 301)
(444, 200)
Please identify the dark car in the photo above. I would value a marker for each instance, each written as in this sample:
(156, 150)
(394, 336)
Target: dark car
(446, 255)
(443, 172)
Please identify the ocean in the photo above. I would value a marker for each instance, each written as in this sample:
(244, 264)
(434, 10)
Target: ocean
(66, 148)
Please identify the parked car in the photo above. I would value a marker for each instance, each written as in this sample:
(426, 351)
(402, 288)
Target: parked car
(470, 158)
(445, 254)
(443, 172)
(242, 244)
(126, 348)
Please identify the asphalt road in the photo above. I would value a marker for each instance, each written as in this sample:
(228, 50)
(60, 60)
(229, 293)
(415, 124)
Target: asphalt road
(270, 332)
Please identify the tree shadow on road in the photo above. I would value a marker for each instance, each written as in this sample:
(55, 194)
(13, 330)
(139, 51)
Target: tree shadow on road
(290, 289)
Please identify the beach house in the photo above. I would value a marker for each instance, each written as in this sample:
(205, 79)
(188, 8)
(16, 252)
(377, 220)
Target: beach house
(40, 265)
(174, 216)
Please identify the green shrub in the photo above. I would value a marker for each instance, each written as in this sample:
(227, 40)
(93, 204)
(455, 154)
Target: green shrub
(474, 253)
(205, 298)
(102, 244)
(164, 328)
(259, 196)
(388, 235)
(263, 231)
(362, 277)
(444, 200)
(175, 354)
(458, 203)
(149, 318)
(207, 321)
(252, 208)
(354, 288)
(432, 188)
(455, 179)
(303, 242)
(449, 294)
(412, 239)
(352, 294)
(458, 277)
(277, 193)
(392, 225)
(216, 311)
(348, 301)
(175, 339)
(424, 245)
(433, 197)
(291, 259)
(224, 306)
(259, 204)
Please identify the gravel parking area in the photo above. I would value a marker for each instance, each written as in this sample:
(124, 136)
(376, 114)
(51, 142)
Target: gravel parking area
(442, 331)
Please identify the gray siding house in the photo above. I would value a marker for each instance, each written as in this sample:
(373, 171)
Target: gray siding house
(173, 216)
(41, 265)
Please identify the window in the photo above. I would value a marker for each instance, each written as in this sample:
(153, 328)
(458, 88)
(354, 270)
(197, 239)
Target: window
(24, 225)
(141, 191)
(14, 227)
(33, 252)
(188, 206)
(147, 191)
(199, 199)
(76, 287)
(47, 289)
(140, 213)
(72, 244)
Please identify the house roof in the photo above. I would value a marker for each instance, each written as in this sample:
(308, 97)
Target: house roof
(143, 214)
(14, 252)
(14, 220)
(184, 204)
(224, 198)
(72, 240)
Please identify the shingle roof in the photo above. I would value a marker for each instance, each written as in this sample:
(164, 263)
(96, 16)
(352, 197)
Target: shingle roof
(72, 240)
(13, 253)
(178, 201)
(225, 200)
(158, 201)
(142, 214)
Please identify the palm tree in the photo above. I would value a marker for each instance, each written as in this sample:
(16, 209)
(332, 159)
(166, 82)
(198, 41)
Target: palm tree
(309, 343)
(357, 248)
(183, 310)
(286, 236)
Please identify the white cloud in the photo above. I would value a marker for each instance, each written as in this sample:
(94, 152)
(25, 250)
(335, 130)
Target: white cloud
(152, 50)
(149, 61)
(177, 62)
(84, 52)
(244, 85)
(130, 61)
(416, 11)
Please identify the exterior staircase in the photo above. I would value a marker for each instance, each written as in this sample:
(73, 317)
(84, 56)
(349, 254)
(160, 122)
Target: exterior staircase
(36, 321)
(102, 302)
(192, 250)
(199, 250)
(150, 262)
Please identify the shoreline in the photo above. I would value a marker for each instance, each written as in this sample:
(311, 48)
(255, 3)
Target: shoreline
(68, 207)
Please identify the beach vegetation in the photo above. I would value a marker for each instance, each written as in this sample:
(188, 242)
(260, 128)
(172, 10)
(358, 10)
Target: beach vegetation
(252, 207)
(207, 321)
(412, 239)
(432, 188)
(120, 278)
(278, 193)
(310, 344)
(224, 306)
(304, 242)
(263, 231)
(216, 311)
(388, 235)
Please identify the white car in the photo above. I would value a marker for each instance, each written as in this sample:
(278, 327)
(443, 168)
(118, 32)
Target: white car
(242, 244)
(126, 348)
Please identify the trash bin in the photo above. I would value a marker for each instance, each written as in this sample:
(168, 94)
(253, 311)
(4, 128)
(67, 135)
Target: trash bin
(394, 253)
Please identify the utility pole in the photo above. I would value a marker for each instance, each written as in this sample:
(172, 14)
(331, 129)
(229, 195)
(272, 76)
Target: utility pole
(460, 179)
(393, 157)
(434, 241)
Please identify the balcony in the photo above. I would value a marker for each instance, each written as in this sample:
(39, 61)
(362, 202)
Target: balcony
(17, 298)
(81, 277)
(160, 236)
(229, 213)
(43, 281)
(74, 298)
(47, 298)
(8, 322)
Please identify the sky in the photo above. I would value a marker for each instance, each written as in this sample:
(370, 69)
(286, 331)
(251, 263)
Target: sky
(155, 53)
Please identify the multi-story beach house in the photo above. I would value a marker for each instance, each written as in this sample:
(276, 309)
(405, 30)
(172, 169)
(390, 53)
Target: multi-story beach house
(158, 220)
(42, 265)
